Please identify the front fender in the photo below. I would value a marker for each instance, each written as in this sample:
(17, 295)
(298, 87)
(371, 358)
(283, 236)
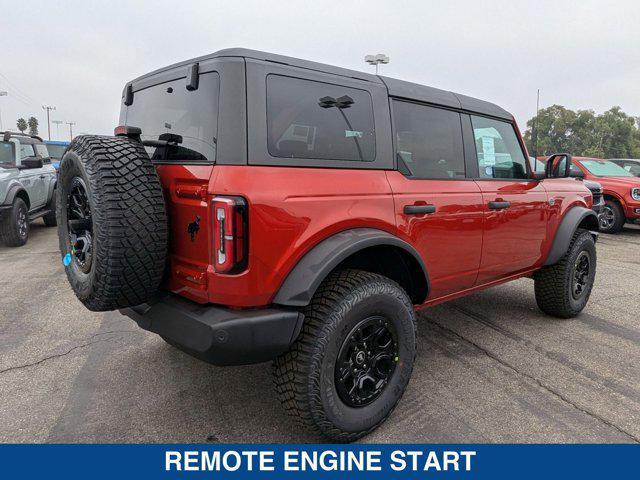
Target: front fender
(570, 222)
(13, 190)
(305, 278)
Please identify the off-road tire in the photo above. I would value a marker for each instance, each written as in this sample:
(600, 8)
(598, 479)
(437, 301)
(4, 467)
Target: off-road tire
(9, 230)
(554, 283)
(129, 221)
(304, 376)
(619, 217)
(50, 218)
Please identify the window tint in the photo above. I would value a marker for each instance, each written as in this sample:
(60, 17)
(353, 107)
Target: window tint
(429, 141)
(499, 152)
(307, 119)
(170, 109)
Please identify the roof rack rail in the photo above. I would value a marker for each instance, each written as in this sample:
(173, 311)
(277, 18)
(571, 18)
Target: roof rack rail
(9, 133)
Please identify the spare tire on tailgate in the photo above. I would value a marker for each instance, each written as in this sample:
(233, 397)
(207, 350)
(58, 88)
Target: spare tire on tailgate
(112, 222)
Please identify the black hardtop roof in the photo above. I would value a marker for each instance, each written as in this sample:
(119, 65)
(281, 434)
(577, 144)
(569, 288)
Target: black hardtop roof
(397, 88)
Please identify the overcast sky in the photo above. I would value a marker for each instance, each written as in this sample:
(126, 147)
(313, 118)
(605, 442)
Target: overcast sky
(77, 55)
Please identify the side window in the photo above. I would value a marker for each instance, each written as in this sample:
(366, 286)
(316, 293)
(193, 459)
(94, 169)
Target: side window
(498, 149)
(26, 150)
(428, 141)
(309, 119)
(6, 154)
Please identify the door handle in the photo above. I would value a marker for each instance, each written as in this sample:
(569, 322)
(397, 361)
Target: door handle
(41, 176)
(419, 209)
(499, 205)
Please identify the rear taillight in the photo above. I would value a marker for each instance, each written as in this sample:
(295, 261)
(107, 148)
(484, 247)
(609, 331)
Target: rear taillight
(230, 228)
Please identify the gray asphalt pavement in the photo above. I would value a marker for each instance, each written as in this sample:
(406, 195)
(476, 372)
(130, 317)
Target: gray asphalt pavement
(490, 368)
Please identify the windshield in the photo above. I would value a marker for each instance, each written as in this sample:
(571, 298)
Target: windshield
(170, 108)
(6, 155)
(605, 168)
(56, 151)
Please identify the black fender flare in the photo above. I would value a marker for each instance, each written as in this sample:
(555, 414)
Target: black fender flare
(305, 278)
(568, 226)
(52, 186)
(13, 192)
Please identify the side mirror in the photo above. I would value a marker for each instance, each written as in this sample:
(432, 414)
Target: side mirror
(558, 165)
(575, 173)
(32, 162)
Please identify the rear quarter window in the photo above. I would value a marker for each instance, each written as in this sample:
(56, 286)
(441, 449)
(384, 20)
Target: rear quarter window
(316, 120)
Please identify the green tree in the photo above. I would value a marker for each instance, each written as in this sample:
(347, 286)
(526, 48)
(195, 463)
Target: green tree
(21, 124)
(612, 134)
(33, 125)
(554, 128)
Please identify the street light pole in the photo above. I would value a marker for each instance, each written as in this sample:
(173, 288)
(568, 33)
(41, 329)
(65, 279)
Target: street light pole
(71, 124)
(48, 109)
(376, 60)
(2, 94)
(57, 123)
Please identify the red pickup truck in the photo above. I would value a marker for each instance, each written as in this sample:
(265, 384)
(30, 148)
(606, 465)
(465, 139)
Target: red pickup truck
(255, 207)
(621, 190)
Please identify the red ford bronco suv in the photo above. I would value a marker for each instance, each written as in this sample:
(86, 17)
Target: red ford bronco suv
(256, 207)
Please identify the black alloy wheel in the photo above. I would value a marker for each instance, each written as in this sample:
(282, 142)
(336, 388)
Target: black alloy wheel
(581, 271)
(80, 225)
(366, 361)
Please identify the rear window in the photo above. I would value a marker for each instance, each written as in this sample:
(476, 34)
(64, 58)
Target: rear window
(170, 108)
(316, 120)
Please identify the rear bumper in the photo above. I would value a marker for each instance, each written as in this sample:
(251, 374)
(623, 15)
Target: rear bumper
(219, 335)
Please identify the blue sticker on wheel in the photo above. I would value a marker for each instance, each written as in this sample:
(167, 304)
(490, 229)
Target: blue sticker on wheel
(66, 260)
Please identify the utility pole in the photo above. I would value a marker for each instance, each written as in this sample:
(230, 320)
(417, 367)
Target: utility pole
(48, 109)
(71, 124)
(2, 94)
(535, 130)
(57, 123)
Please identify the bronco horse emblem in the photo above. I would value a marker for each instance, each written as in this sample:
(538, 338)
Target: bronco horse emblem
(193, 228)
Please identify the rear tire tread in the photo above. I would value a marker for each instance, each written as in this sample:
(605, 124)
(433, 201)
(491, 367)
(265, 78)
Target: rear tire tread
(129, 221)
(292, 374)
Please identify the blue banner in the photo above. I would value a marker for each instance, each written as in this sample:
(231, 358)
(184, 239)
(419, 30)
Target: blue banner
(319, 461)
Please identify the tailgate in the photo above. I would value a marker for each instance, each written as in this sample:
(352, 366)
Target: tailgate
(185, 190)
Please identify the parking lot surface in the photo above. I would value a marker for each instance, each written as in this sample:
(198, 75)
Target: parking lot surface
(490, 368)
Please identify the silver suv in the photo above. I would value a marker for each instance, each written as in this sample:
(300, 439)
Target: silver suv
(27, 186)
